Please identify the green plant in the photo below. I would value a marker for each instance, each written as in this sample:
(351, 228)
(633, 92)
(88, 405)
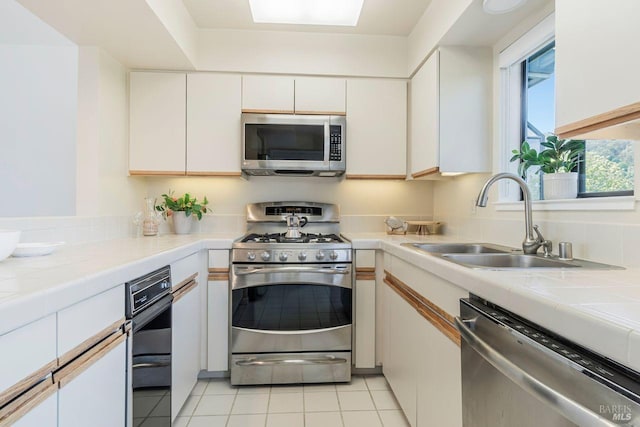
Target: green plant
(559, 155)
(185, 204)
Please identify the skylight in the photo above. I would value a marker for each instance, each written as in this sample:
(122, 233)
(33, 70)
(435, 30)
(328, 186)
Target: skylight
(306, 12)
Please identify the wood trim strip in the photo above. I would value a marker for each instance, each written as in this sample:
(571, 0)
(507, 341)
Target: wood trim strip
(322, 113)
(425, 172)
(184, 290)
(219, 270)
(435, 315)
(365, 269)
(600, 121)
(157, 173)
(15, 410)
(219, 277)
(365, 276)
(253, 111)
(195, 173)
(67, 373)
(90, 342)
(357, 176)
(185, 282)
(28, 382)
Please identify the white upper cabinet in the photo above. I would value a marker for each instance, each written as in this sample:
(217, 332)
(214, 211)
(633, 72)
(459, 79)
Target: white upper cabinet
(376, 128)
(268, 94)
(450, 124)
(213, 124)
(157, 111)
(596, 71)
(289, 95)
(320, 95)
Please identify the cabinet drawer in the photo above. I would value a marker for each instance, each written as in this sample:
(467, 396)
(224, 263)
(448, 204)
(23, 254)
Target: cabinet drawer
(86, 320)
(183, 269)
(27, 352)
(219, 259)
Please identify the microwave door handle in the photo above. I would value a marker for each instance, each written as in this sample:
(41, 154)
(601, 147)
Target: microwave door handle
(327, 141)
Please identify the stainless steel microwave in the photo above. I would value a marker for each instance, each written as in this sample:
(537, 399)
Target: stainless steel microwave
(298, 145)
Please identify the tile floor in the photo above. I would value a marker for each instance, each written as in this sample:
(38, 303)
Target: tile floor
(366, 401)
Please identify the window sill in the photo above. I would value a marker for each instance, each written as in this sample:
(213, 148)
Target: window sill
(623, 203)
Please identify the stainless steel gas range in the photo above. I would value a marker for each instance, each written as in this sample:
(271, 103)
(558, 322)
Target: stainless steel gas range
(291, 304)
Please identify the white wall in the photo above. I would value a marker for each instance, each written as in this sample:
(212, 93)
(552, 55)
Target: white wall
(103, 187)
(38, 87)
(302, 53)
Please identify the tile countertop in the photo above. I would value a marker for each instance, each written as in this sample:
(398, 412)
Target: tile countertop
(599, 309)
(33, 287)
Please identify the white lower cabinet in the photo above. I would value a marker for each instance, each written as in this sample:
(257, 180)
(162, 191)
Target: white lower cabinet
(185, 343)
(364, 320)
(420, 361)
(96, 397)
(44, 414)
(218, 311)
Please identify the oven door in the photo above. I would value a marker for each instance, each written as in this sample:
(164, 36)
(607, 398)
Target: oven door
(290, 308)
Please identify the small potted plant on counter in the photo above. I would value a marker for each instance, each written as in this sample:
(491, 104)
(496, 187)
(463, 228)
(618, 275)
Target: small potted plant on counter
(558, 164)
(182, 209)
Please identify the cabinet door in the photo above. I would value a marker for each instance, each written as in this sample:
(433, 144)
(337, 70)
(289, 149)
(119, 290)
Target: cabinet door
(97, 396)
(44, 414)
(377, 129)
(218, 311)
(320, 95)
(596, 72)
(213, 124)
(424, 123)
(365, 309)
(157, 123)
(401, 359)
(267, 94)
(185, 347)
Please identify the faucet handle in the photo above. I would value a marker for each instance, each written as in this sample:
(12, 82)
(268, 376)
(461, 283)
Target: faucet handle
(547, 245)
(536, 228)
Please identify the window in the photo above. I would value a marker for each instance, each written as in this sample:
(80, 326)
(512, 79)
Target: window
(527, 113)
(606, 169)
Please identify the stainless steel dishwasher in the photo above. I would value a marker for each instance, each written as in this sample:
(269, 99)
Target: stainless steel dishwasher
(516, 373)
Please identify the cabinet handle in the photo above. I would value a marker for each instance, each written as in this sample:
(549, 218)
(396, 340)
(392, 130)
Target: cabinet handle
(184, 289)
(28, 382)
(15, 410)
(68, 372)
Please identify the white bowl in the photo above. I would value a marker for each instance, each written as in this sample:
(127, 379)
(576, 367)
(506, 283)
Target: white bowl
(8, 241)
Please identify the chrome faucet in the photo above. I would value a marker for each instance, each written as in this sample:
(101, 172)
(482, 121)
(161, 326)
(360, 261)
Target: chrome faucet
(530, 244)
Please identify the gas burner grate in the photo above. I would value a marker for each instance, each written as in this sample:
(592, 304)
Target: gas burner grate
(281, 238)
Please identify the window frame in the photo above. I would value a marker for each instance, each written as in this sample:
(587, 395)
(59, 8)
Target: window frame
(510, 129)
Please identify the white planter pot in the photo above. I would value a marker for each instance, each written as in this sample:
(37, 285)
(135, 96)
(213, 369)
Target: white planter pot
(181, 223)
(560, 185)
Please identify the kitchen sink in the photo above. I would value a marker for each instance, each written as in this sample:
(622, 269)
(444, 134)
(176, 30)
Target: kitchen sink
(500, 261)
(459, 248)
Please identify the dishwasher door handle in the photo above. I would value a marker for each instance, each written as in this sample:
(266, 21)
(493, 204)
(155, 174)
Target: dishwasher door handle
(571, 409)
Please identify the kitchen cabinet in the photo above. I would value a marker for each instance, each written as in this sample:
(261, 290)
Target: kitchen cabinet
(421, 359)
(157, 126)
(450, 112)
(185, 330)
(365, 309)
(55, 363)
(377, 129)
(289, 95)
(596, 77)
(218, 311)
(184, 124)
(213, 124)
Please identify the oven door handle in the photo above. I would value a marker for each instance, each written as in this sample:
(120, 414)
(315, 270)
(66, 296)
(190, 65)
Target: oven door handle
(328, 360)
(569, 408)
(267, 270)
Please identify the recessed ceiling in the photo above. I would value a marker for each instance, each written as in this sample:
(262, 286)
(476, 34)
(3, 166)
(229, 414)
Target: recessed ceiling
(380, 17)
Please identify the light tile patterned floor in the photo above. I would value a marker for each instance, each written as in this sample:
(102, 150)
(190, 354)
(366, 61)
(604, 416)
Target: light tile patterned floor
(366, 401)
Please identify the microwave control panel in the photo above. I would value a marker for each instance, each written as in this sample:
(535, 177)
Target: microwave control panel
(335, 146)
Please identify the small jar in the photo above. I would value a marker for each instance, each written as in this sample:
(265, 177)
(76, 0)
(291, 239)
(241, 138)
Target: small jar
(150, 221)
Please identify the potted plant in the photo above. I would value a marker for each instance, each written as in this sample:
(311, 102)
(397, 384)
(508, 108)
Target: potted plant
(558, 163)
(182, 209)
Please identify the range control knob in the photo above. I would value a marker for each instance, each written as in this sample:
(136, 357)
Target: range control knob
(251, 256)
(284, 256)
(320, 255)
(302, 256)
(265, 256)
(333, 255)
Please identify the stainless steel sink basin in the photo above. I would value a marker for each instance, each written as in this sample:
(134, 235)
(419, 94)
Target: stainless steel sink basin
(500, 261)
(459, 248)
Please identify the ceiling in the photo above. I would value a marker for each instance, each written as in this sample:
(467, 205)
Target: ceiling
(380, 17)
